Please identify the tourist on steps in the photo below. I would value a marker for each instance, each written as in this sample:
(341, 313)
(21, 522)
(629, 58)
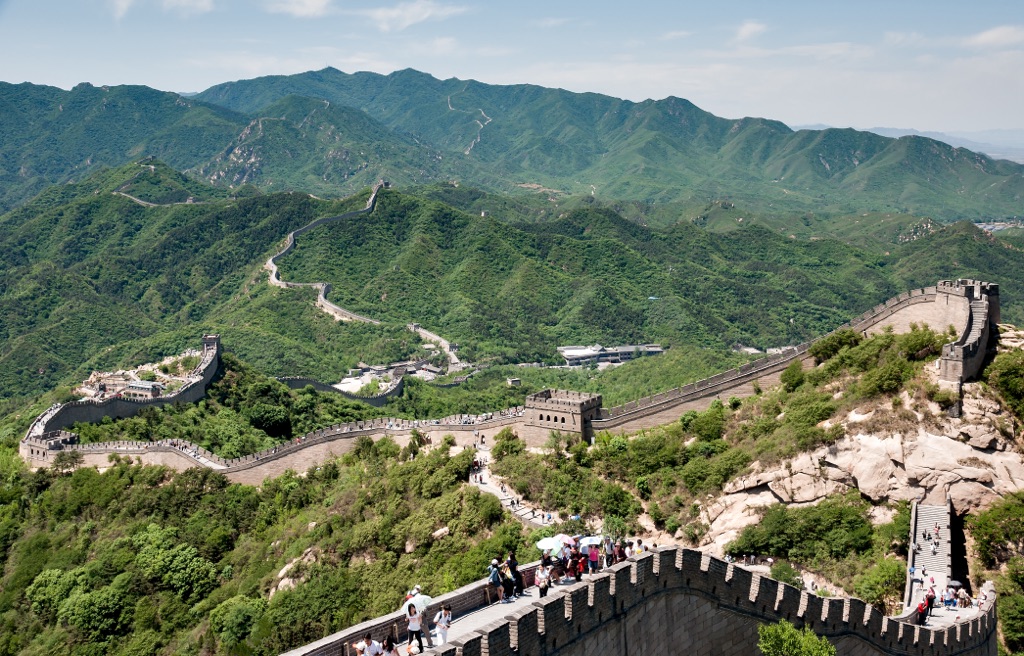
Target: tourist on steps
(388, 647)
(494, 579)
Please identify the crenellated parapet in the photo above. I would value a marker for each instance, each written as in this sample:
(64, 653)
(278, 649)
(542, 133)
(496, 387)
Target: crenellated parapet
(964, 359)
(58, 417)
(680, 601)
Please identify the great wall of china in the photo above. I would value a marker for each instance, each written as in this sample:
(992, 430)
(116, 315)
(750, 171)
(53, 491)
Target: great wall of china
(697, 603)
(676, 601)
(971, 306)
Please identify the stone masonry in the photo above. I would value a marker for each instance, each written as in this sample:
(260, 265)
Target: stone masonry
(681, 602)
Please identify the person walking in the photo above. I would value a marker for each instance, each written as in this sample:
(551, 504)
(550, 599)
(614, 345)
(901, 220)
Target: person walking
(542, 579)
(443, 622)
(513, 573)
(415, 629)
(594, 556)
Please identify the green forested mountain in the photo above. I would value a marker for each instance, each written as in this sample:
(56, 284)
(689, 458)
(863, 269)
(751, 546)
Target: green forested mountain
(666, 150)
(324, 147)
(87, 269)
(94, 277)
(329, 133)
(49, 135)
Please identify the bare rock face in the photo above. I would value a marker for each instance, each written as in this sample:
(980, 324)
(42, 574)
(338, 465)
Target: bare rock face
(974, 460)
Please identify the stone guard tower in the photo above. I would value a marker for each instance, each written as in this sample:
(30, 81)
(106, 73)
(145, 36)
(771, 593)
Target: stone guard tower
(559, 410)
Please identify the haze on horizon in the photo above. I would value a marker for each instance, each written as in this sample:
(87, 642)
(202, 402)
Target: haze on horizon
(939, 65)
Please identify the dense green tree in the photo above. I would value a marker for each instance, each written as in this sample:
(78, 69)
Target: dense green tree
(784, 639)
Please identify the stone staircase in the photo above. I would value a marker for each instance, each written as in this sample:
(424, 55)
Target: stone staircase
(935, 565)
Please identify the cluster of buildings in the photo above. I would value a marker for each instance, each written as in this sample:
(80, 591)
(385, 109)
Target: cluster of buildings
(576, 356)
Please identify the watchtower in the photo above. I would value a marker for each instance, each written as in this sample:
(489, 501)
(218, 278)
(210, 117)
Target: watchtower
(559, 410)
(211, 342)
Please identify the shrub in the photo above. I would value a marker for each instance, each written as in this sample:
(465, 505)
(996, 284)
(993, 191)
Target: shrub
(888, 378)
(784, 639)
(793, 376)
(1006, 375)
(882, 584)
(784, 572)
(827, 347)
(708, 425)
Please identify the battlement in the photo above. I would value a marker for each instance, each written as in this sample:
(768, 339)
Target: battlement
(559, 410)
(680, 601)
(556, 399)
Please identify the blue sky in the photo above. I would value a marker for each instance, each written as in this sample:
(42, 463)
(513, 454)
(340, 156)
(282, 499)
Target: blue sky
(936, 65)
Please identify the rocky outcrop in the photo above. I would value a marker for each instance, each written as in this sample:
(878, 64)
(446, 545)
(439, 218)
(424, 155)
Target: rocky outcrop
(888, 455)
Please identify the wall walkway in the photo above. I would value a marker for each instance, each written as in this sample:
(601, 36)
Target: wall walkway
(677, 601)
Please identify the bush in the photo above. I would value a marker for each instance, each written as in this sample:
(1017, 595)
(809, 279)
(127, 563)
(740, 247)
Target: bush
(888, 378)
(1006, 375)
(234, 619)
(827, 347)
(783, 572)
(708, 425)
(793, 376)
(882, 584)
(784, 639)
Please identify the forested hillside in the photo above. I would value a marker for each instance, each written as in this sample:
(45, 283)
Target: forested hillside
(330, 133)
(665, 150)
(97, 275)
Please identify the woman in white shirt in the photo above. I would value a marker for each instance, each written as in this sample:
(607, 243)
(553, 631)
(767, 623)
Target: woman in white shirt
(415, 630)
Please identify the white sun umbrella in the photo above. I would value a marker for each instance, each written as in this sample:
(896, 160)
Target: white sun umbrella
(549, 544)
(420, 601)
(591, 540)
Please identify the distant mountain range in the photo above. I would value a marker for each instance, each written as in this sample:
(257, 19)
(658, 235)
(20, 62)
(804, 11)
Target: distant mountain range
(329, 133)
(997, 144)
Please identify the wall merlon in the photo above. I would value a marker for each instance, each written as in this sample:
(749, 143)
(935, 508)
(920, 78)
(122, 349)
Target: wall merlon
(525, 631)
(495, 639)
(471, 645)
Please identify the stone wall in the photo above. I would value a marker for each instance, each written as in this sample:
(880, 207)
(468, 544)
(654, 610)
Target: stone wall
(946, 301)
(681, 602)
(964, 359)
(52, 422)
(937, 307)
(323, 288)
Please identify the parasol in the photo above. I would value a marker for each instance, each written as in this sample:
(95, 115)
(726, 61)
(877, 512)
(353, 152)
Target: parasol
(420, 601)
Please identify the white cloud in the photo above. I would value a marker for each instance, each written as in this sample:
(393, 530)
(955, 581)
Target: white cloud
(997, 37)
(406, 14)
(121, 7)
(675, 34)
(548, 23)
(904, 39)
(300, 8)
(189, 7)
(748, 30)
(184, 7)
